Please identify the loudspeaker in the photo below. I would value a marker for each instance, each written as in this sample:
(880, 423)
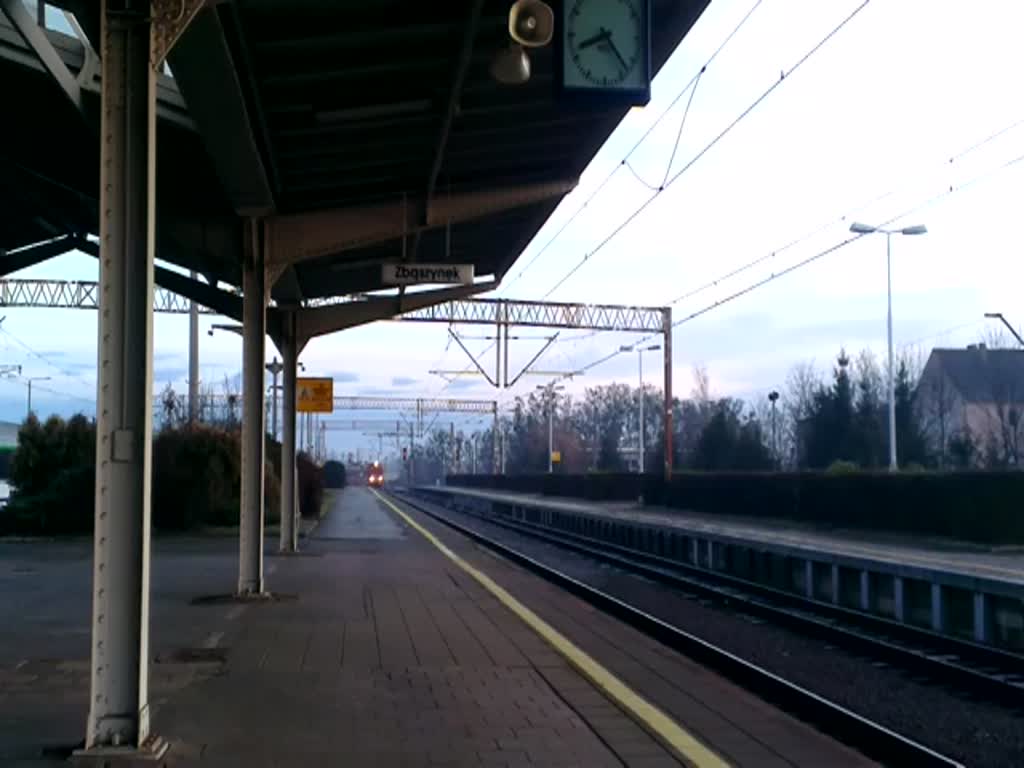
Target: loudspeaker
(531, 23)
(511, 66)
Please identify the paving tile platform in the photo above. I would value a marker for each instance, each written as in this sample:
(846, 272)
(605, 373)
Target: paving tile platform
(390, 655)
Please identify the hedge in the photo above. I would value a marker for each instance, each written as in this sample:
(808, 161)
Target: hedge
(196, 479)
(973, 506)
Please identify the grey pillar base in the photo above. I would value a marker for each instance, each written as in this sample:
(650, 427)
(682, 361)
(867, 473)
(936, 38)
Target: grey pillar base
(153, 750)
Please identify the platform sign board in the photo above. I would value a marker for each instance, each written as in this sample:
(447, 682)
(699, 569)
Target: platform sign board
(314, 395)
(414, 274)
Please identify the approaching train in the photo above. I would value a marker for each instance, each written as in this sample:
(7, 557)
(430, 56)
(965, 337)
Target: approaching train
(375, 475)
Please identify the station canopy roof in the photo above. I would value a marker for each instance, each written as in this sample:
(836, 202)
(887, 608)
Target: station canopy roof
(288, 108)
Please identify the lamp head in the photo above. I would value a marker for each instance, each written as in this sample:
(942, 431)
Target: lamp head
(862, 229)
(917, 229)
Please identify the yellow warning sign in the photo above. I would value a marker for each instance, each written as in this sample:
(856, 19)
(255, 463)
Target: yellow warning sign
(314, 395)
(556, 457)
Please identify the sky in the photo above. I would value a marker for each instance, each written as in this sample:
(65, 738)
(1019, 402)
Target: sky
(876, 123)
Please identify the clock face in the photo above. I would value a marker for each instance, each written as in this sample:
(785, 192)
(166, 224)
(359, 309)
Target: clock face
(605, 44)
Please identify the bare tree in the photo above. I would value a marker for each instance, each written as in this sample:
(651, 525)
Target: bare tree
(996, 338)
(913, 359)
(797, 404)
(701, 385)
(868, 376)
(171, 408)
(232, 397)
(1006, 427)
(936, 403)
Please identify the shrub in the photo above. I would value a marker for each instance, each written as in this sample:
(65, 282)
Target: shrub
(310, 480)
(334, 474)
(52, 474)
(311, 486)
(196, 477)
(842, 467)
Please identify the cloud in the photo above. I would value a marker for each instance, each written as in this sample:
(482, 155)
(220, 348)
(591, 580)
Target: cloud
(376, 392)
(169, 374)
(344, 377)
(403, 381)
(462, 384)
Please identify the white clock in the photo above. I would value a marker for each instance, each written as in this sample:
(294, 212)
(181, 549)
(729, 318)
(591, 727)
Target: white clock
(606, 47)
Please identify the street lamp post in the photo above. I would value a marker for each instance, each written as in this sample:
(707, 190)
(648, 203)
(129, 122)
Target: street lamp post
(274, 368)
(643, 426)
(549, 394)
(30, 379)
(773, 397)
(999, 316)
(865, 229)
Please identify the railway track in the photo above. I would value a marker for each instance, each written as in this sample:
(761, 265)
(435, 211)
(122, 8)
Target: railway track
(979, 670)
(871, 738)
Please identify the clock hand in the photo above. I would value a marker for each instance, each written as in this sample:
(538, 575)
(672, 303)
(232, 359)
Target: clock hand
(601, 36)
(615, 50)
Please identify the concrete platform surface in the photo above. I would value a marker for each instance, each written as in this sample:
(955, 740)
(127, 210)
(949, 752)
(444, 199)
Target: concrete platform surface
(390, 653)
(968, 559)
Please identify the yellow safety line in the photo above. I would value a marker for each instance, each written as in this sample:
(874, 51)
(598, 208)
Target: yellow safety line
(680, 740)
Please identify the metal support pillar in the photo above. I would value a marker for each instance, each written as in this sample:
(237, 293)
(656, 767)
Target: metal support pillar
(495, 444)
(290, 353)
(938, 608)
(193, 360)
(982, 621)
(254, 328)
(898, 599)
(667, 345)
(865, 591)
(118, 701)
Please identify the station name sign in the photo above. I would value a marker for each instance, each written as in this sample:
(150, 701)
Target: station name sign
(412, 274)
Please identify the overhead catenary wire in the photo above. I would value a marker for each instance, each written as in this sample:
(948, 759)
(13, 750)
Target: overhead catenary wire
(951, 190)
(785, 75)
(688, 88)
(41, 357)
(838, 219)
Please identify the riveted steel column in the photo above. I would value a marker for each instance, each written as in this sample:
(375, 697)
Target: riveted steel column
(290, 353)
(254, 329)
(118, 702)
